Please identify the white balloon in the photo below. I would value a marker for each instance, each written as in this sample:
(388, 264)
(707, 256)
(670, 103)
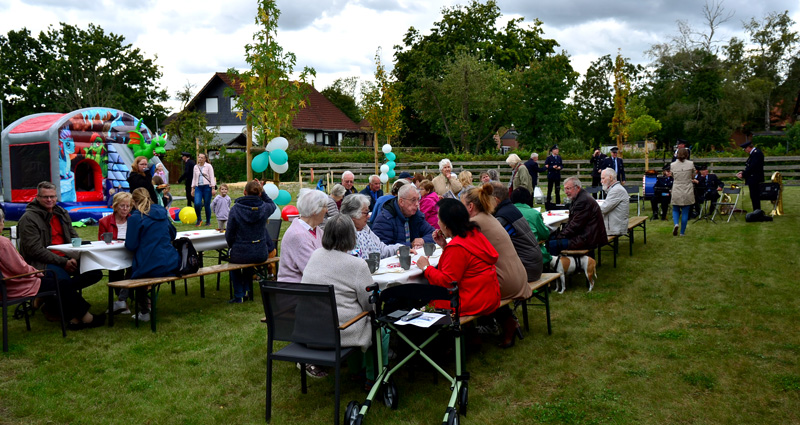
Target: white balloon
(272, 190)
(384, 169)
(384, 178)
(277, 143)
(386, 148)
(280, 169)
(277, 213)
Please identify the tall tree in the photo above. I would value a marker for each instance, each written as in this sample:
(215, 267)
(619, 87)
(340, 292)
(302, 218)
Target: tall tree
(188, 127)
(342, 93)
(619, 124)
(270, 98)
(68, 68)
(466, 104)
(472, 29)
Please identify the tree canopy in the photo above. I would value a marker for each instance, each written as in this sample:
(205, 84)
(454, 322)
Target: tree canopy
(68, 68)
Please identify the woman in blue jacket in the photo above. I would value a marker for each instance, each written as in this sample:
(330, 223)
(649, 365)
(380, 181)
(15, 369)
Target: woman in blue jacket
(247, 236)
(150, 235)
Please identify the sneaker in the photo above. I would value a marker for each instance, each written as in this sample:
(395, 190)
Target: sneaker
(143, 317)
(675, 230)
(198, 224)
(314, 371)
(120, 307)
(235, 301)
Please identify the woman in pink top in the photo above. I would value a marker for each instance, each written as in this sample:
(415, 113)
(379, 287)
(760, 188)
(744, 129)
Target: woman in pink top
(427, 203)
(303, 236)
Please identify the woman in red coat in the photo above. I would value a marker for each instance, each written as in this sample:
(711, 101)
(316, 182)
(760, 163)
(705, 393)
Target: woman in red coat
(468, 259)
(117, 224)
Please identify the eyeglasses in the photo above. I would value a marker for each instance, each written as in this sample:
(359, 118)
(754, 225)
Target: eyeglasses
(48, 197)
(569, 187)
(412, 200)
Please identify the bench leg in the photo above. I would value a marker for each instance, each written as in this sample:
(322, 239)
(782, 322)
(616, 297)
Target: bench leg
(173, 287)
(110, 307)
(153, 299)
(547, 308)
(630, 242)
(616, 251)
(202, 280)
(525, 315)
(644, 230)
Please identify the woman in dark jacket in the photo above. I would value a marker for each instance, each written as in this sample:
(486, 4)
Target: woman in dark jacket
(247, 236)
(140, 177)
(149, 237)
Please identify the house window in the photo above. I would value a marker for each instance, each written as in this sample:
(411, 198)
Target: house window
(234, 106)
(212, 105)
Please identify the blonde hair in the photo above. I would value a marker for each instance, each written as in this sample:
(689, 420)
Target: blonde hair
(482, 197)
(465, 178)
(135, 165)
(120, 198)
(142, 201)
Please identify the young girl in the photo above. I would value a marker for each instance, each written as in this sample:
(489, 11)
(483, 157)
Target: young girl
(158, 186)
(221, 205)
(427, 203)
(160, 172)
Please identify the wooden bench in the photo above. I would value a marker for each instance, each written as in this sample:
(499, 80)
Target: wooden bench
(633, 223)
(542, 284)
(613, 242)
(154, 283)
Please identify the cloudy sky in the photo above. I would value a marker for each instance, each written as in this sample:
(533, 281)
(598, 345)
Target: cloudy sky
(339, 38)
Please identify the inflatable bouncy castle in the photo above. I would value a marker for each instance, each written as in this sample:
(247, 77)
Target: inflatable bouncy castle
(87, 154)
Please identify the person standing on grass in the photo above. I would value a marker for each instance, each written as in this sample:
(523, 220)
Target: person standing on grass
(149, 238)
(203, 188)
(753, 173)
(247, 236)
(221, 205)
(140, 177)
(554, 164)
(186, 177)
(682, 191)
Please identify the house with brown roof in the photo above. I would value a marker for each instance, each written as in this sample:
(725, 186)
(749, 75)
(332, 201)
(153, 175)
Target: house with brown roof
(321, 122)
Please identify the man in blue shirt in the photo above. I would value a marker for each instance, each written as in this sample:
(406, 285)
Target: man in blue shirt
(373, 190)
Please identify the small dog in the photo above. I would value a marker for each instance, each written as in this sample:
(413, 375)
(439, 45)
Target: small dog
(567, 266)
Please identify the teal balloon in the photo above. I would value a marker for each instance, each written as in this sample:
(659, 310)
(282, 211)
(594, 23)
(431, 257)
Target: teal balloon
(390, 174)
(279, 156)
(283, 197)
(391, 156)
(391, 164)
(260, 162)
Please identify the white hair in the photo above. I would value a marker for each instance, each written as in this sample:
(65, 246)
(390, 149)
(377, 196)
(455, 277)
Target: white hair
(353, 205)
(348, 172)
(338, 190)
(513, 159)
(575, 182)
(444, 162)
(374, 176)
(534, 155)
(311, 202)
(406, 189)
(611, 173)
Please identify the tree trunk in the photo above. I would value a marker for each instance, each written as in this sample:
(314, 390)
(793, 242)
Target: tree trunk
(247, 150)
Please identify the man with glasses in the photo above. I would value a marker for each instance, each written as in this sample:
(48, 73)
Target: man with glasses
(585, 228)
(400, 221)
(348, 179)
(45, 223)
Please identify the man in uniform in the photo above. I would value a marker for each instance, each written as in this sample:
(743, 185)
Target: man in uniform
(753, 173)
(597, 161)
(662, 193)
(681, 143)
(711, 186)
(553, 164)
(615, 163)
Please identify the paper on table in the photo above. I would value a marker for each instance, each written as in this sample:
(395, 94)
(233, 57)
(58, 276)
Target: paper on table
(425, 321)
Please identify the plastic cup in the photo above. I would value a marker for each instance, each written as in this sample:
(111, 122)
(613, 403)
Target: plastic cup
(429, 248)
(108, 237)
(76, 242)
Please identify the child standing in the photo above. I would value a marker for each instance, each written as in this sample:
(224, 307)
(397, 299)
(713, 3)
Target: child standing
(160, 172)
(221, 205)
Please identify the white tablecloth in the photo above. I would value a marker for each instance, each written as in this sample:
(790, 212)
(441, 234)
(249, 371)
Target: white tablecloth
(114, 256)
(553, 219)
(390, 270)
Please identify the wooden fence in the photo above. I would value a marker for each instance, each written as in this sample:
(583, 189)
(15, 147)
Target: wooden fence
(724, 168)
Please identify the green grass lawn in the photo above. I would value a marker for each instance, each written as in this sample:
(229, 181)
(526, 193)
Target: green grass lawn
(696, 330)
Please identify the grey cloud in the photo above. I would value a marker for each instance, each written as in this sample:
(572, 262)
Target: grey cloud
(298, 14)
(82, 4)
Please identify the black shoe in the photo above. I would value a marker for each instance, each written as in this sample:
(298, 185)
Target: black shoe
(235, 301)
(97, 321)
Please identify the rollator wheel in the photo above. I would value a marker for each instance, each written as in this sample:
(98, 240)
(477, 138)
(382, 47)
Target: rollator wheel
(452, 416)
(463, 395)
(390, 395)
(351, 413)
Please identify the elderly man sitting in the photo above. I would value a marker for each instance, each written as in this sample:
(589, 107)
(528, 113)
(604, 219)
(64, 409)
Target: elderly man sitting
(400, 221)
(373, 191)
(585, 228)
(616, 206)
(348, 178)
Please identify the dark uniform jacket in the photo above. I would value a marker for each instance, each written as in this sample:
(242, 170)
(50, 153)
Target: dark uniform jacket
(552, 173)
(188, 170)
(754, 168)
(533, 170)
(597, 163)
(609, 163)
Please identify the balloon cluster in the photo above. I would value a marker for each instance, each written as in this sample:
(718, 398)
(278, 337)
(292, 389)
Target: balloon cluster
(387, 169)
(274, 157)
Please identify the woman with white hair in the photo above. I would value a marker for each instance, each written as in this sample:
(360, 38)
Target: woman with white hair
(303, 236)
(334, 201)
(357, 208)
(520, 177)
(446, 184)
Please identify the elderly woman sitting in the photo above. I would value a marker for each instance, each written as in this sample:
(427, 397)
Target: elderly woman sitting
(350, 277)
(303, 236)
(446, 184)
(357, 208)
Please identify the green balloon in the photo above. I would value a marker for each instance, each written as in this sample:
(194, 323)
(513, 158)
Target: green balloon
(390, 174)
(283, 197)
(260, 162)
(391, 156)
(391, 164)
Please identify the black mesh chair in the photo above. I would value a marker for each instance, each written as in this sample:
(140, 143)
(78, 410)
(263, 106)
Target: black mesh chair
(23, 304)
(304, 315)
(633, 192)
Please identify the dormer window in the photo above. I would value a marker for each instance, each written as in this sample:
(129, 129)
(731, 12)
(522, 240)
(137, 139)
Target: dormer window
(212, 105)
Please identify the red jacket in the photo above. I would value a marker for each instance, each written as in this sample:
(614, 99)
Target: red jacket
(470, 262)
(107, 224)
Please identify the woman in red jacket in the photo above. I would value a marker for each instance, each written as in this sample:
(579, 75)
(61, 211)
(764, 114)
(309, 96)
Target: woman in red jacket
(467, 259)
(117, 224)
